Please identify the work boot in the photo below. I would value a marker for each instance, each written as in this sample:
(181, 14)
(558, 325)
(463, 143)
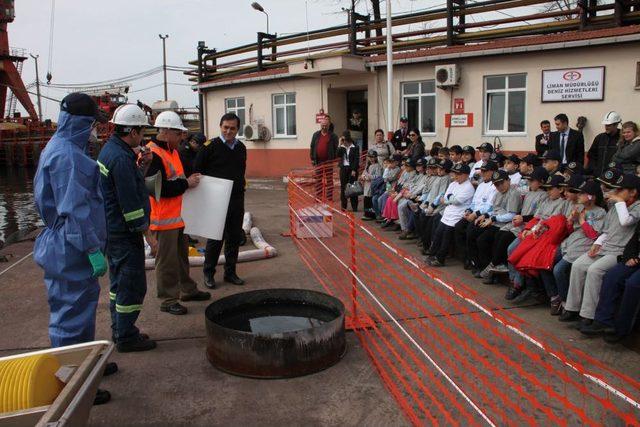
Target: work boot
(210, 282)
(110, 368)
(138, 344)
(174, 308)
(233, 279)
(102, 397)
(196, 296)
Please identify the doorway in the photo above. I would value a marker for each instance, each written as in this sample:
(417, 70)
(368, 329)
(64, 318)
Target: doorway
(357, 120)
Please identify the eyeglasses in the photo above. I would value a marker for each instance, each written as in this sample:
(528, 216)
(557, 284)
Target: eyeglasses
(412, 134)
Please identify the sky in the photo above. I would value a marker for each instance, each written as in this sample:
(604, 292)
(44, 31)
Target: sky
(95, 40)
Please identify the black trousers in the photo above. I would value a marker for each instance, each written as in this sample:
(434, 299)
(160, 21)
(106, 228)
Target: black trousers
(460, 235)
(347, 178)
(484, 242)
(232, 237)
(429, 225)
(500, 246)
(442, 237)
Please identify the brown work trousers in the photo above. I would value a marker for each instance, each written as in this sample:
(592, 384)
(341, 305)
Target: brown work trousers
(172, 266)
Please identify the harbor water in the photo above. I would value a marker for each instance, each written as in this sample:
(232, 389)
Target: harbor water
(17, 208)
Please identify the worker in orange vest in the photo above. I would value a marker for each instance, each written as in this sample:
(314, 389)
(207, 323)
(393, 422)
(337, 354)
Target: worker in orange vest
(171, 246)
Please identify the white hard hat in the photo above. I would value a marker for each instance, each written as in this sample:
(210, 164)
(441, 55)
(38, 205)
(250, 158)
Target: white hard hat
(129, 115)
(169, 120)
(611, 118)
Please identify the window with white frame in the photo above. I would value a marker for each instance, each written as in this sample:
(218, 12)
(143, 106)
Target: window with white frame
(505, 104)
(284, 114)
(236, 105)
(419, 105)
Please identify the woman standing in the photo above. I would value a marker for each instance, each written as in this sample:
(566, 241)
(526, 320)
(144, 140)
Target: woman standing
(349, 157)
(628, 153)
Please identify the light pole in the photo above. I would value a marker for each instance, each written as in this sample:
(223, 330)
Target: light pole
(164, 62)
(259, 8)
(35, 57)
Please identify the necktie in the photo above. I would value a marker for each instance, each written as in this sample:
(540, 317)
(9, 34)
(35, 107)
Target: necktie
(562, 146)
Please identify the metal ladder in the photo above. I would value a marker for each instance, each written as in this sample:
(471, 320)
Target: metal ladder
(12, 101)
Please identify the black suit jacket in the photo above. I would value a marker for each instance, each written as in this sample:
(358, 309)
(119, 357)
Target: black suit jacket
(541, 145)
(354, 157)
(398, 140)
(574, 145)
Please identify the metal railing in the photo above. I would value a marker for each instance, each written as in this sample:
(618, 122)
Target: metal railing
(460, 22)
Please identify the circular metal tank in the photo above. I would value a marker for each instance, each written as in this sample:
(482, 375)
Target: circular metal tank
(275, 333)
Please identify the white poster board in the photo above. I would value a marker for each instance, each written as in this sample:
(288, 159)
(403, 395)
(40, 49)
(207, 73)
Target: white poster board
(204, 208)
(573, 84)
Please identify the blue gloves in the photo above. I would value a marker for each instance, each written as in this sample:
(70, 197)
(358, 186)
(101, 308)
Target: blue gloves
(98, 262)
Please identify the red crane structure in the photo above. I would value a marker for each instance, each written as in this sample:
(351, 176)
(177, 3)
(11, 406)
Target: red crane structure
(9, 76)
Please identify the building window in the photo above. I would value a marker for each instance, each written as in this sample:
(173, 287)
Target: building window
(505, 104)
(419, 105)
(236, 105)
(284, 114)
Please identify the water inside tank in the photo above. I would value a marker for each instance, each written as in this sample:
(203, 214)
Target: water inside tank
(274, 318)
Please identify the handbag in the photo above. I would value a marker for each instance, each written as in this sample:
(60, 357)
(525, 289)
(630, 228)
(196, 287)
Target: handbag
(353, 189)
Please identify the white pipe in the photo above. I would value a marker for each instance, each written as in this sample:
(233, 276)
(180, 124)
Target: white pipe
(247, 222)
(389, 70)
(263, 251)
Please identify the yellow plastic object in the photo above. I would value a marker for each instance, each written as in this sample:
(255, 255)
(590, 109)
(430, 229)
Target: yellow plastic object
(193, 251)
(28, 382)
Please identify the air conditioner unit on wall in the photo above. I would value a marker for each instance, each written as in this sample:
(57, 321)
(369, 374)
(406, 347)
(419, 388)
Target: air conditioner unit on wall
(257, 132)
(447, 75)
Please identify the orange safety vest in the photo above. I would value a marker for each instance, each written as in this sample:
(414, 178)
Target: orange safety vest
(165, 214)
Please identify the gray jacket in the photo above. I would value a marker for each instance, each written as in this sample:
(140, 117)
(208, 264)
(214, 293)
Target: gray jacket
(628, 155)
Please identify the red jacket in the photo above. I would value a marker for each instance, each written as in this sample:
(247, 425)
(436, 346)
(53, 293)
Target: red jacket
(539, 253)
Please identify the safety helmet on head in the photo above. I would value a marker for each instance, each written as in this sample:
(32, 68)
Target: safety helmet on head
(129, 115)
(169, 120)
(611, 118)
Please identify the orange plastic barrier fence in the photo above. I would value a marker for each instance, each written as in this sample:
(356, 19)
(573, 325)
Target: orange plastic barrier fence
(445, 353)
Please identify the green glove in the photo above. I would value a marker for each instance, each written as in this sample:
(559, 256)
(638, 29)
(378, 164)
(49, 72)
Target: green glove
(98, 262)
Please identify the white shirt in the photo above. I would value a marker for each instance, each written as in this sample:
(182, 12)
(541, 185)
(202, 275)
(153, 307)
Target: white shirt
(483, 198)
(515, 179)
(345, 159)
(458, 199)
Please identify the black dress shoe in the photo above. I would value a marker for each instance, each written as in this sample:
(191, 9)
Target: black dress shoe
(210, 282)
(197, 296)
(597, 328)
(110, 369)
(569, 316)
(139, 344)
(234, 279)
(174, 308)
(102, 397)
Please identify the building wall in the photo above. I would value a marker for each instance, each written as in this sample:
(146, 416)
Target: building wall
(279, 155)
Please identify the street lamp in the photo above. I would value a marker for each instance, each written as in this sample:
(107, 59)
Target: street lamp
(259, 8)
(164, 61)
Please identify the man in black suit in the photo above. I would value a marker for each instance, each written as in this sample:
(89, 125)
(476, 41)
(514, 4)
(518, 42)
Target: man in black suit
(542, 140)
(568, 142)
(349, 158)
(401, 139)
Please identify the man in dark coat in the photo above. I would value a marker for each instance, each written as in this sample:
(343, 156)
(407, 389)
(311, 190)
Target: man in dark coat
(568, 142)
(604, 144)
(324, 148)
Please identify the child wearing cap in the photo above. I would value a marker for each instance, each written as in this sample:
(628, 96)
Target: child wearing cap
(456, 200)
(426, 197)
(390, 176)
(481, 204)
(552, 205)
(585, 225)
(432, 206)
(390, 209)
(412, 195)
(551, 161)
(589, 269)
(373, 170)
(481, 234)
(512, 166)
(486, 150)
(468, 156)
(509, 232)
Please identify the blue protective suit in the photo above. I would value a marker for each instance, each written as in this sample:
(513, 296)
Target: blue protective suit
(68, 198)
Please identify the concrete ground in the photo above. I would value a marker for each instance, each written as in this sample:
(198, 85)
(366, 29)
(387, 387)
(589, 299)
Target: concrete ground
(175, 384)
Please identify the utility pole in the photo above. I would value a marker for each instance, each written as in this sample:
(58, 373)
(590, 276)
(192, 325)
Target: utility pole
(38, 86)
(164, 62)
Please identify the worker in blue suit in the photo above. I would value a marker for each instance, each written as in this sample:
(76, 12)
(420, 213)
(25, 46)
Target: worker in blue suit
(69, 201)
(127, 208)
